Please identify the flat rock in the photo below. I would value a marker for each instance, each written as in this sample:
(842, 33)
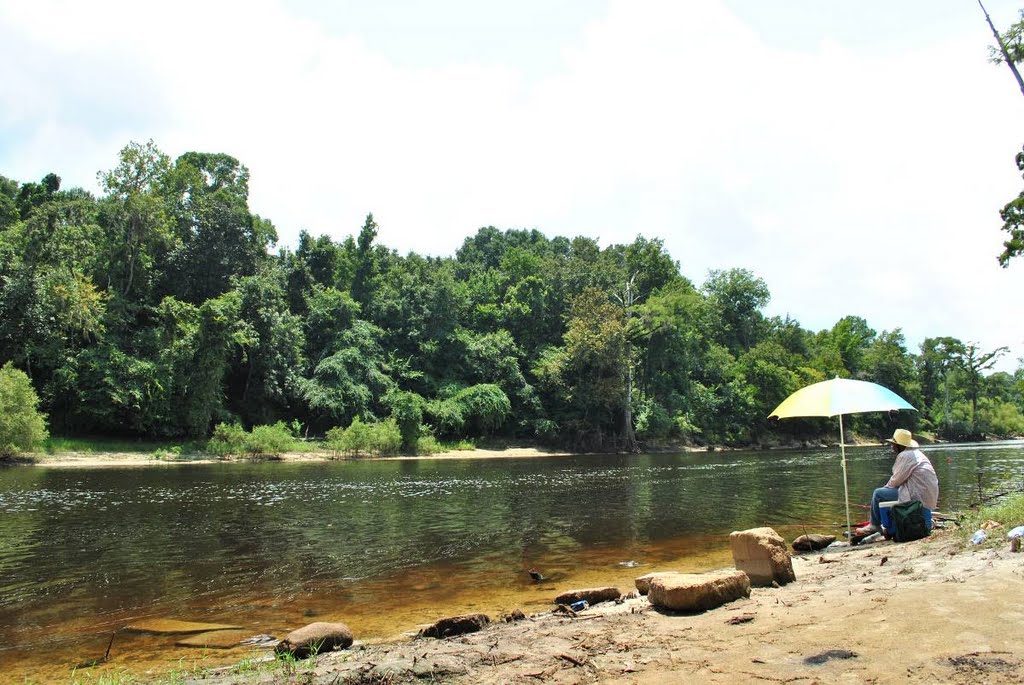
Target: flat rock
(643, 583)
(592, 595)
(215, 639)
(170, 626)
(698, 591)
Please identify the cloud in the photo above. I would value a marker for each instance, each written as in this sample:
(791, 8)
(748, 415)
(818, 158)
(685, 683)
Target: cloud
(854, 179)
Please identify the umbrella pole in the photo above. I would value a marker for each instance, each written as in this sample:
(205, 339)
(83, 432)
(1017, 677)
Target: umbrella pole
(846, 489)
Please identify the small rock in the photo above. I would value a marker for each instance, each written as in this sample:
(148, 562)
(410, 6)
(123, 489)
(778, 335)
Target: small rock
(742, 618)
(316, 638)
(812, 542)
(456, 625)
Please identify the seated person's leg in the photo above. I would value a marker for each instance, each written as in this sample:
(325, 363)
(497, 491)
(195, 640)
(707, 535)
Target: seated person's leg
(881, 495)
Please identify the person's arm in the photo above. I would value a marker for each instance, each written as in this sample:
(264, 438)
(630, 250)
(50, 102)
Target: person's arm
(902, 469)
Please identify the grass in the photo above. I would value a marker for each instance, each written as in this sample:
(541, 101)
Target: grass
(1009, 512)
(458, 446)
(114, 678)
(94, 445)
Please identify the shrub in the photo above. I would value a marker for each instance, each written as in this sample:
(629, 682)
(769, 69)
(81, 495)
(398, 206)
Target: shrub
(335, 440)
(407, 411)
(22, 426)
(485, 406)
(269, 440)
(360, 438)
(652, 421)
(545, 429)
(386, 437)
(427, 445)
(446, 416)
(227, 439)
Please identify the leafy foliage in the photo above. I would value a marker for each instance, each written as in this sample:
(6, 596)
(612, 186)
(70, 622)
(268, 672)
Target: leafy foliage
(233, 440)
(22, 427)
(361, 439)
(158, 310)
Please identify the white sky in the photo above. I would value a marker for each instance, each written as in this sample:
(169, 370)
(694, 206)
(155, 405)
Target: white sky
(853, 155)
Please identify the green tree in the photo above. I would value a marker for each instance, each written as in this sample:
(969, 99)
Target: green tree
(22, 426)
(135, 215)
(737, 297)
(366, 261)
(973, 362)
(216, 237)
(851, 337)
(407, 411)
(1012, 215)
(585, 377)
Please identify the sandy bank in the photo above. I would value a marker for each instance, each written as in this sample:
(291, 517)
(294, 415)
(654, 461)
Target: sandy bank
(141, 459)
(925, 611)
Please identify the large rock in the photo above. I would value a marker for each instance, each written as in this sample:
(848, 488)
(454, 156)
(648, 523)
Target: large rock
(697, 591)
(812, 542)
(316, 638)
(761, 553)
(456, 625)
(591, 595)
(643, 583)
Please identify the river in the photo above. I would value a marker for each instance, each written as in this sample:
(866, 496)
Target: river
(387, 545)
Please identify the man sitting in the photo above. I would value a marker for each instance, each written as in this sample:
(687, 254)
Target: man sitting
(913, 478)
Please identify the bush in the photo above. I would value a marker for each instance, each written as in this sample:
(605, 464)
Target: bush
(407, 411)
(446, 416)
(227, 439)
(427, 445)
(230, 438)
(269, 440)
(652, 421)
(360, 438)
(386, 437)
(22, 426)
(485, 406)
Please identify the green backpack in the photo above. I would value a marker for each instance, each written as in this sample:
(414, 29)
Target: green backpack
(908, 522)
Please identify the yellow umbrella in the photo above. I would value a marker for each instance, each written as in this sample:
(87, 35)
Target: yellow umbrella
(837, 397)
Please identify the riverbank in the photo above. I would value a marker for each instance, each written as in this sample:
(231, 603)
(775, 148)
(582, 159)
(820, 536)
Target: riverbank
(126, 458)
(141, 459)
(925, 611)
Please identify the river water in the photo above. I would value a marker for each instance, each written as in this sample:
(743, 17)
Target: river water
(387, 545)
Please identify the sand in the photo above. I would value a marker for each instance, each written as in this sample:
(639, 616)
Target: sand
(920, 612)
(140, 459)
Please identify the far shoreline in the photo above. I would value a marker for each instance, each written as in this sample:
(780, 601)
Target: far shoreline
(140, 459)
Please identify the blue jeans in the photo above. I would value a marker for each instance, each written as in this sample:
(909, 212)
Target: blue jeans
(881, 495)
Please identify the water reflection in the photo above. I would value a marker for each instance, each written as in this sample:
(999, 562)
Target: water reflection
(82, 552)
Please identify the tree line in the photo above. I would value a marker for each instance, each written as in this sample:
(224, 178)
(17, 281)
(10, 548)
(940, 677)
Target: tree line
(162, 308)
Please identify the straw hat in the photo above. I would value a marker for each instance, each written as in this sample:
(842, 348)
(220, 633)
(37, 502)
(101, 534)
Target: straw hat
(903, 437)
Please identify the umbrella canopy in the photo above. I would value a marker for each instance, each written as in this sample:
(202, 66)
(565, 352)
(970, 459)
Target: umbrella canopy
(837, 397)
